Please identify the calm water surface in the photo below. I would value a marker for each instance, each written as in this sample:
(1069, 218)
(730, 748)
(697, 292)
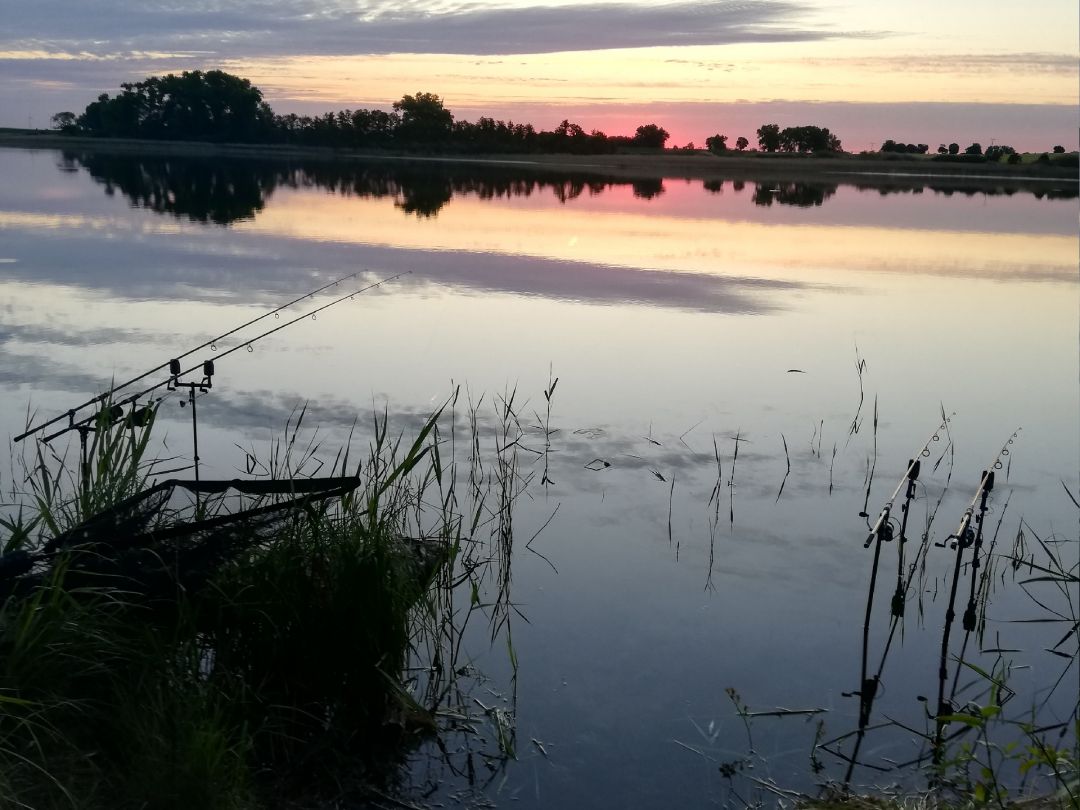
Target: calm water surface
(675, 314)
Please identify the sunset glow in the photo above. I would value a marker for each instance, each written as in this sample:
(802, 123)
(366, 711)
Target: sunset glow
(696, 68)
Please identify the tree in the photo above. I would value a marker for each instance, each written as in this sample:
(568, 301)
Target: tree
(807, 139)
(768, 137)
(65, 121)
(995, 152)
(954, 148)
(974, 149)
(716, 144)
(568, 130)
(651, 135)
(424, 119)
(943, 150)
(741, 143)
(195, 105)
(1059, 150)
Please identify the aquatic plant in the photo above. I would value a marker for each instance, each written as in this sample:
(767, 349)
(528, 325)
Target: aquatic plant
(312, 653)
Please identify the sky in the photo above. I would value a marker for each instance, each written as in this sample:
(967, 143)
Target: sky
(921, 71)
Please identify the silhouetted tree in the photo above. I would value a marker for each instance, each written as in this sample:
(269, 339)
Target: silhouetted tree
(65, 121)
(651, 135)
(943, 150)
(806, 139)
(741, 143)
(195, 105)
(954, 148)
(424, 119)
(995, 152)
(1059, 150)
(974, 149)
(717, 143)
(768, 137)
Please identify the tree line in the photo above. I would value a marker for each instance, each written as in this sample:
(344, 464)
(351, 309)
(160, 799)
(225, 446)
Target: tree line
(219, 107)
(974, 152)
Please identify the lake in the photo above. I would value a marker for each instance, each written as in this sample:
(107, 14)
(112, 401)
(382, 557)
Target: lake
(819, 329)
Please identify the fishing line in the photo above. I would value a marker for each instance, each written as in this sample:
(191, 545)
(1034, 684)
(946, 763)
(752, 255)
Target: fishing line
(212, 344)
(175, 371)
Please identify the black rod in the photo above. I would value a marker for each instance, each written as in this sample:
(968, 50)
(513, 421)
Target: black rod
(102, 397)
(172, 378)
(962, 539)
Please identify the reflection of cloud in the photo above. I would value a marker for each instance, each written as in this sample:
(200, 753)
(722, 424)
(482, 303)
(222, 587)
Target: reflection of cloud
(173, 266)
(40, 333)
(42, 373)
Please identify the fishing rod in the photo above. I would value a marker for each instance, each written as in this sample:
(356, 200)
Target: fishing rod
(211, 343)
(979, 588)
(176, 371)
(882, 531)
(964, 537)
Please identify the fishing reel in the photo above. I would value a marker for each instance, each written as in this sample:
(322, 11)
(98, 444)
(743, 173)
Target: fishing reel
(965, 540)
(885, 531)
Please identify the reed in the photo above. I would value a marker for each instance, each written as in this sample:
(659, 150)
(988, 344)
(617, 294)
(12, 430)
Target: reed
(311, 658)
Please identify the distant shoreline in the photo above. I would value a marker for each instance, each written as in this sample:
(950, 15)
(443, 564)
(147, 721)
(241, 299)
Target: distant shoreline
(668, 164)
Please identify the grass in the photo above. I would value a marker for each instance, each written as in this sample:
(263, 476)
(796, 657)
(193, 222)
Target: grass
(317, 651)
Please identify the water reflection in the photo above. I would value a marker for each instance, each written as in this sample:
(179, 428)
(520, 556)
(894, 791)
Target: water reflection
(804, 195)
(211, 190)
(219, 193)
(222, 192)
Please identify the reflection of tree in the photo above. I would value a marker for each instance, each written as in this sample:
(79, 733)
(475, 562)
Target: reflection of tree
(804, 195)
(222, 191)
(961, 185)
(425, 196)
(197, 189)
(209, 189)
(648, 188)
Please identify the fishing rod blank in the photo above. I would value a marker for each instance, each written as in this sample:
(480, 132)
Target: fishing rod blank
(882, 530)
(211, 343)
(962, 539)
(176, 371)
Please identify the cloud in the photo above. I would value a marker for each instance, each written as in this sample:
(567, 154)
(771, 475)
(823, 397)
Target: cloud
(273, 27)
(1056, 63)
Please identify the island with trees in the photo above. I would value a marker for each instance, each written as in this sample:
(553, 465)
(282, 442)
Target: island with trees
(217, 108)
